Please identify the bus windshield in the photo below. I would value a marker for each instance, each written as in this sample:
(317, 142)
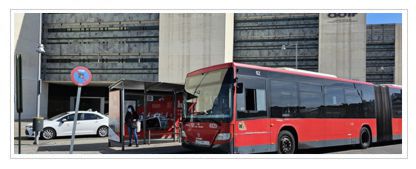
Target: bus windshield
(209, 96)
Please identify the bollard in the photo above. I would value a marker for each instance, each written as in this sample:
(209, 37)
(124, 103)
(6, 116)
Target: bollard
(37, 124)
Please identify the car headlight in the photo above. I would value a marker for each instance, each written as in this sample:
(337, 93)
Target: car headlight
(183, 134)
(222, 136)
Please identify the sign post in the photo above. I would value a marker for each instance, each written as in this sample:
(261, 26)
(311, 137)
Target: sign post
(80, 76)
(19, 99)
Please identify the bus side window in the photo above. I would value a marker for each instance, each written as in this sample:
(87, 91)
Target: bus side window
(353, 102)
(284, 99)
(252, 101)
(334, 102)
(255, 100)
(368, 104)
(310, 100)
(396, 100)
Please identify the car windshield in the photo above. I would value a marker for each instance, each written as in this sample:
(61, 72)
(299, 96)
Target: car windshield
(58, 116)
(209, 95)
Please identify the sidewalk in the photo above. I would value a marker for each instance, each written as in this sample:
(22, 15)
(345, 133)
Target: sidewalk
(92, 145)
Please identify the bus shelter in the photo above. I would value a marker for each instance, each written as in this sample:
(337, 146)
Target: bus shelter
(158, 106)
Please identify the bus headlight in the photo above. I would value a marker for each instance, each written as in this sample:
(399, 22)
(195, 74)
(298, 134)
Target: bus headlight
(183, 134)
(222, 136)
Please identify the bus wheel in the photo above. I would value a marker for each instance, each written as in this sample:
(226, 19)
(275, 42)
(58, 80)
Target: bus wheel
(286, 143)
(365, 138)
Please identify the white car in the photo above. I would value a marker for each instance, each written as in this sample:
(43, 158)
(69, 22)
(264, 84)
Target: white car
(88, 123)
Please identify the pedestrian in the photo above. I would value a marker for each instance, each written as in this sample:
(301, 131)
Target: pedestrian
(131, 122)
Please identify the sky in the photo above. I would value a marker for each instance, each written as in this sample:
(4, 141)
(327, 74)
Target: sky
(382, 18)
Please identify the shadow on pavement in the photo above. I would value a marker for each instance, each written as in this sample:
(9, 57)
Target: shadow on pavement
(58, 138)
(148, 150)
(77, 147)
(104, 149)
(342, 148)
(176, 149)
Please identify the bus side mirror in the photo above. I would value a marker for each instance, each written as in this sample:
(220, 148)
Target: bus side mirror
(240, 88)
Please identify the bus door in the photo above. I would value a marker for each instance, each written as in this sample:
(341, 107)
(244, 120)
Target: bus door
(252, 129)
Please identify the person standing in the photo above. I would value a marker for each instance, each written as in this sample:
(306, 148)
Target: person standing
(131, 122)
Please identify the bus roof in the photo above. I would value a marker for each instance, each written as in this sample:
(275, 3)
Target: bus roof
(270, 69)
(393, 86)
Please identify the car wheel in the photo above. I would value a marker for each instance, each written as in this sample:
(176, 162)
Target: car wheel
(102, 131)
(48, 133)
(286, 143)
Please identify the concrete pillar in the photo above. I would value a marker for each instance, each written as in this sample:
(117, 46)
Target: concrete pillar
(192, 41)
(26, 40)
(398, 55)
(342, 45)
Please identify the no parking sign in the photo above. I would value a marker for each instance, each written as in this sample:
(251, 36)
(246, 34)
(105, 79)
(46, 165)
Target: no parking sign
(81, 76)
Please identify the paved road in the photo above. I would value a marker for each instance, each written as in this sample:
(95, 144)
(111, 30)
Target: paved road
(97, 145)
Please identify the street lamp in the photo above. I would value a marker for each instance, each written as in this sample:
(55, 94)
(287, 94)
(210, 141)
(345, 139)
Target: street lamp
(40, 50)
(296, 52)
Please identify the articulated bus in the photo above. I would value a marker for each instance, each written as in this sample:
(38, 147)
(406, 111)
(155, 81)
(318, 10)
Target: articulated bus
(240, 108)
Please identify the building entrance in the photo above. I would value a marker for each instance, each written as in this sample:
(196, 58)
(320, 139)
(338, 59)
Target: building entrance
(88, 103)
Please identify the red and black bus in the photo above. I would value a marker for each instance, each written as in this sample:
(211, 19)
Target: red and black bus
(240, 108)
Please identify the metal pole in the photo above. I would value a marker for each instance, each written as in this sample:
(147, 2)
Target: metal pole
(20, 135)
(74, 127)
(183, 115)
(232, 140)
(39, 77)
(296, 56)
(174, 116)
(19, 103)
(145, 115)
(180, 132)
(122, 118)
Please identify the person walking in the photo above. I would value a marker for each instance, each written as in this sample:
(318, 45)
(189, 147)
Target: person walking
(131, 122)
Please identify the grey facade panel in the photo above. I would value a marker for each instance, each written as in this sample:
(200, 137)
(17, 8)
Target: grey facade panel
(113, 46)
(258, 39)
(380, 53)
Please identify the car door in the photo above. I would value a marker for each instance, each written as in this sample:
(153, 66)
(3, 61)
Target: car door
(64, 127)
(83, 125)
(91, 123)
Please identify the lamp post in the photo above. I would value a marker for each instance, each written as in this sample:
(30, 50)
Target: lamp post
(296, 52)
(40, 50)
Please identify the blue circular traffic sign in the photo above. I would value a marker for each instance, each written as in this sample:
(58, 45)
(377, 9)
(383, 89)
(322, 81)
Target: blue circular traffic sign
(81, 76)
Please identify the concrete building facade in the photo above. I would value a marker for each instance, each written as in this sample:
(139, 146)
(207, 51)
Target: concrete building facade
(26, 40)
(164, 47)
(398, 55)
(342, 44)
(192, 41)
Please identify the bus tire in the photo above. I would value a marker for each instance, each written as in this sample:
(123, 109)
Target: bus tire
(286, 143)
(365, 138)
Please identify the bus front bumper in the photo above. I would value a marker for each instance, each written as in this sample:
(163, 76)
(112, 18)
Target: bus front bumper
(220, 148)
